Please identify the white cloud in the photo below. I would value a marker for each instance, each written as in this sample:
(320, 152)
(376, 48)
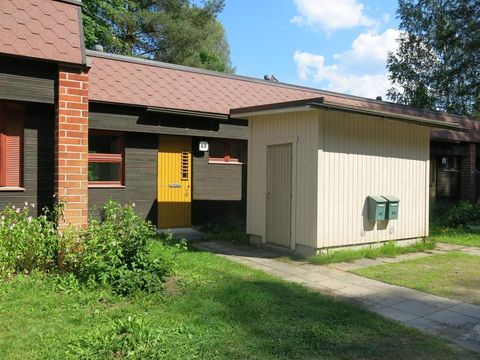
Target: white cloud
(331, 15)
(358, 71)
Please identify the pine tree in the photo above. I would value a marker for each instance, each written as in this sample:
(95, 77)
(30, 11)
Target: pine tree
(175, 31)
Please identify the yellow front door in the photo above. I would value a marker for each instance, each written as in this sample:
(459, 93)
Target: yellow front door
(174, 181)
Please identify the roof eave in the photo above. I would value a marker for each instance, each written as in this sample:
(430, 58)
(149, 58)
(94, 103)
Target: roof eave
(320, 103)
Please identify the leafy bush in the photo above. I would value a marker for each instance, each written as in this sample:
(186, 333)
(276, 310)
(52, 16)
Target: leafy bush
(464, 214)
(112, 253)
(438, 211)
(27, 243)
(115, 252)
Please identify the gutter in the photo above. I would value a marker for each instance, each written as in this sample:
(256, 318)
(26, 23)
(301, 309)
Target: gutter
(438, 124)
(320, 103)
(188, 113)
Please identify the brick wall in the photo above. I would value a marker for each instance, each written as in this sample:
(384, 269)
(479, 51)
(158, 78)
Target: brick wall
(71, 146)
(467, 174)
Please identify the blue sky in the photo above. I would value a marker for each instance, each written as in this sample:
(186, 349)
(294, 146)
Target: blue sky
(339, 45)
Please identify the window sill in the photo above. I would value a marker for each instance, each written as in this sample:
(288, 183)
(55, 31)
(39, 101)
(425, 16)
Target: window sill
(105, 186)
(12, 188)
(219, 162)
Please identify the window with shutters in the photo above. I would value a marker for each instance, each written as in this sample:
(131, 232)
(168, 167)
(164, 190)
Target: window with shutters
(106, 151)
(11, 145)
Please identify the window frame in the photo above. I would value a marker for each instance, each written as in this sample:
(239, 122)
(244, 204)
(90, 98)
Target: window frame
(452, 163)
(105, 158)
(227, 143)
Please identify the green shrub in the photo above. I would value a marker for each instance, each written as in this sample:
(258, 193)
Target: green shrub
(27, 243)
(115, 252)
(130, 338)
(464, 214)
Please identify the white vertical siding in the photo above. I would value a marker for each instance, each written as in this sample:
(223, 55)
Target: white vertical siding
(360, 156)
(301, 129)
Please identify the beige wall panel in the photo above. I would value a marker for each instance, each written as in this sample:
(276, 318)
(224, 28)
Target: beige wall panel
(301, 128)
(360, 156)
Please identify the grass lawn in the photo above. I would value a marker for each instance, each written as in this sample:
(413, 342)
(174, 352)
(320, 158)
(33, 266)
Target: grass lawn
(454, 275)
(455, 236)
(386, 250)
(213, 309)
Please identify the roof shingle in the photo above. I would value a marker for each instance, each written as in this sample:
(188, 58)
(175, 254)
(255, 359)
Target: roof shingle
(126, 80)
(43, 29)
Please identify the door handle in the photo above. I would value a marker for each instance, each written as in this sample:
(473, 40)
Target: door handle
(269, 196)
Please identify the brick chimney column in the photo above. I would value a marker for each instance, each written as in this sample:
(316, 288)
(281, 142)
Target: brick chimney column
(467, 174)
(71, 146)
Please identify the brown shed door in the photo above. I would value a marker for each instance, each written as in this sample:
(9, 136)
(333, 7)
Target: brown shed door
(279, 194)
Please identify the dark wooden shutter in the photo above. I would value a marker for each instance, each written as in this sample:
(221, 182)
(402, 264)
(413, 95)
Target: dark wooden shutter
(11, 154)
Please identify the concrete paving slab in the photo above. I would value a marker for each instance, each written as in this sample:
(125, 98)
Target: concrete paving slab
(334, 284)
(393, 314)
(467, 309)
(385, 300)
(449, 247)
(314, 277)
(357, 291)
(345, 266)
(417, 308)
(452, 318)
(367, 262)
(424, 324)
(439, 301)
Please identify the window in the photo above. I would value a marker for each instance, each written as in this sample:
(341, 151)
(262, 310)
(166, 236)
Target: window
(449, 163)
(105, 158)
(11, 145)
(227, 151)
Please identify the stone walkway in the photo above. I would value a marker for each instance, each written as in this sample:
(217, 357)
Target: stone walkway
(451, 319)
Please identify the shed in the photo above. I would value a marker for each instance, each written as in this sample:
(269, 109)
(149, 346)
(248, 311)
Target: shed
(314, 164)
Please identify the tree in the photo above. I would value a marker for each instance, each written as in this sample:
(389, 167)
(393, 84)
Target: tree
(175, 31)
(437, 64)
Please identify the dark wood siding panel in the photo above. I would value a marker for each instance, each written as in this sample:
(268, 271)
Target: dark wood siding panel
(27, 80)
(98, 197)
(38, 160)
(140, 178)
(24, 88)
(217, 181)
(155, 123)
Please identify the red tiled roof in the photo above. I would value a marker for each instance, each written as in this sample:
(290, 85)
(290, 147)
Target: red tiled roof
(472, 136)
(42, 29)
(132, 81)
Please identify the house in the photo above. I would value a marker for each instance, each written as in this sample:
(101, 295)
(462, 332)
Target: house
(89, 126)
(333, 172)
(455, 163)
